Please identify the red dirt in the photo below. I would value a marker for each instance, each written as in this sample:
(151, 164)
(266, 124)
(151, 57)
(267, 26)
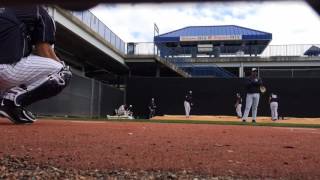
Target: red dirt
(238, 151)
(291, 120)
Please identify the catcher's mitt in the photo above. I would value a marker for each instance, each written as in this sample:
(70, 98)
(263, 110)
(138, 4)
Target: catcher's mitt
(263, 89)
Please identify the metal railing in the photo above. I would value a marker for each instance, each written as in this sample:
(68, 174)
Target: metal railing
(148, 48)
(141, 48)
(288, 50)
(209, 71)
(183, 57)
(183, 64)
(99, 27)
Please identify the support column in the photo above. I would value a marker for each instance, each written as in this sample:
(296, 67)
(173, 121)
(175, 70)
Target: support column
(100, 101)
(118, 81)
(241, 70)
(158, 70)
(125, 90)
(130, 74)
(92, 98)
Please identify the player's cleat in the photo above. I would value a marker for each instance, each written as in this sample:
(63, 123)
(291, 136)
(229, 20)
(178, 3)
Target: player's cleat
(29, 115)
(17, 115)
(253, 121)
(244, 120)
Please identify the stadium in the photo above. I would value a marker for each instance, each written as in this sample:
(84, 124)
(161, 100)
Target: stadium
(81, 135)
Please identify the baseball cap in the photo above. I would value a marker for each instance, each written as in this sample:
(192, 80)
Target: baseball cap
(254, 69)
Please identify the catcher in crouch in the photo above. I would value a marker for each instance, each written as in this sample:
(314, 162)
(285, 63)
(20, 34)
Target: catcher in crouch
(29, 68)
(253, 88)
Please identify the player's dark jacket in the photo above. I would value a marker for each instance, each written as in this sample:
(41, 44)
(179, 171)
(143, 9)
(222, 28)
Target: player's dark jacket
(22, 27)
(152, 105)
(189, 98)
(253, 84)
(273, 99)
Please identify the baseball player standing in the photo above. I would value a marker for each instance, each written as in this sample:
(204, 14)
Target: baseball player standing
(188, 103)
(253, 83)
(152, 108)
(273, 100)
(238, 105)
(29, 68)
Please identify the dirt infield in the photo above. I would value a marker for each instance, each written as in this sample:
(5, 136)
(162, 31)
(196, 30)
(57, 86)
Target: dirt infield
(208, 150)
(292, 120)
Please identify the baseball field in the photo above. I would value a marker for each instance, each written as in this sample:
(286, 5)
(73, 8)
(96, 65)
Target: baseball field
(158, 149)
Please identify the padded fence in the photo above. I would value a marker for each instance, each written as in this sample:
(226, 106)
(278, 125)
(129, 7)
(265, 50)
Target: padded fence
(299, 97)
(290, 73)
(82, 98)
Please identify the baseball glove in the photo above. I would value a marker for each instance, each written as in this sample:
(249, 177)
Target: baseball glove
(263, 89)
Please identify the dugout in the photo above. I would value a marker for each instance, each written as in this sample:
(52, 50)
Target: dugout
(216, 41)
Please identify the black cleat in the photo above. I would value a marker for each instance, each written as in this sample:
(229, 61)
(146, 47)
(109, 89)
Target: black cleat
(253, 121)
(29, 115)
(17, 115)
(243, 120)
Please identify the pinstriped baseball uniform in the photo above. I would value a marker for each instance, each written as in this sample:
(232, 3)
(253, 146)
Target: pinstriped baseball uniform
(188, 103)
(29, 71)
(27, 78)
(274, 106)
(238, 105)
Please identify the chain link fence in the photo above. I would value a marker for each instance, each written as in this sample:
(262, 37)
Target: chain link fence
(83, 97)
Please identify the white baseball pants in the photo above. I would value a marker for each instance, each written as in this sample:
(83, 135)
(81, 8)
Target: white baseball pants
(238, 110)
(187, 108)
(29, 71)
(274, 110)
(252, 100)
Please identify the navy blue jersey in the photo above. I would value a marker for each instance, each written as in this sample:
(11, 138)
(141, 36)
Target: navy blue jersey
(189, 98)
(38, 22)
(253, 84)
(273, 98)
(22, 27)
(152, 105)
(12, 40)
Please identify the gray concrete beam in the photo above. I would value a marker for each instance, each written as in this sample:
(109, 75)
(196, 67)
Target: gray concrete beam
(76, 26)
(254, 59)
(260, 64)
(257, 61)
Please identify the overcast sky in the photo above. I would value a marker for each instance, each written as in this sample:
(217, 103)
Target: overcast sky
(289, 22)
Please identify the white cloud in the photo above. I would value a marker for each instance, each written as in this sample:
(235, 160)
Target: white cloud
(289, 22)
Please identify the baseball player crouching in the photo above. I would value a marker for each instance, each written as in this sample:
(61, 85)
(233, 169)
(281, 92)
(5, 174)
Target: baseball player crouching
(29, 68)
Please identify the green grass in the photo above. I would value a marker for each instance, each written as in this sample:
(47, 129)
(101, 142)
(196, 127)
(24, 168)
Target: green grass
(269, 124)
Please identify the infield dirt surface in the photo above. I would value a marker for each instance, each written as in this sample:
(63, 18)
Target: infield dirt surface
(245, 152)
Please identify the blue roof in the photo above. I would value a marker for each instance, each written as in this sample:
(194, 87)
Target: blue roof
(225, 30)
(313, 51)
